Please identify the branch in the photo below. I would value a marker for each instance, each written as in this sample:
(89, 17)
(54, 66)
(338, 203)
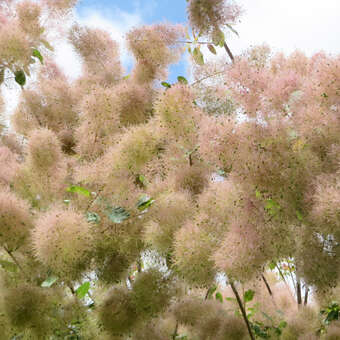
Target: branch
(244, 314)
(174, 335)
(267, 285)
(229, 52)
(16, 262)
(306, 295)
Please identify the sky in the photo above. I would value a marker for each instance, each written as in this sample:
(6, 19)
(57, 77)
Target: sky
(285, 25)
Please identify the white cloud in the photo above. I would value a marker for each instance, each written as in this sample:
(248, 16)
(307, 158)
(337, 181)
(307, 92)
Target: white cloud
(117, 24)
(286, 25)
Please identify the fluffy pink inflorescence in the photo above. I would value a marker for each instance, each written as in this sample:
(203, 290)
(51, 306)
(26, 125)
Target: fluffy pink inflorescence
(154, 47)
(44, 151)
(206, 16)
(99, 53)
(8, 165)
(15, 221)
(61, 241)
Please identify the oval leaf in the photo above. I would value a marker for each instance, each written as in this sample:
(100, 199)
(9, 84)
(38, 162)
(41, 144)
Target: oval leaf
(92, 217)
(144, 202)
(182, 80)
(49, 281)
(83, 290)
(219, 297)
(79, 190)
(212, 49)
(117, 214)
(198, 57)
(165, 84)
(38, 55)
(249, 295)
(20, 77)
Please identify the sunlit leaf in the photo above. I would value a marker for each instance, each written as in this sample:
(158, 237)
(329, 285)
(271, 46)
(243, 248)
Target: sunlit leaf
(50, 281)
(83, 290)
(165, 84)
(38, 55)
(198, 56)
(182, 80)
(144, 202)
(79, 190)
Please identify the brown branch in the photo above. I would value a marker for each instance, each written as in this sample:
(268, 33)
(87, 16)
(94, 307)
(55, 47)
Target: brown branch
(267, 285)
(16, 262)
(244, 314)
(306, 295)
(231, 56)
(174, 335)
(298, 291)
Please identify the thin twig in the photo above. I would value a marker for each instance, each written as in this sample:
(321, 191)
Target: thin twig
(244, 314)
(207, 77)
(306, 295)
(231, 56)
(267, 285)
(16, 262)
(298, 291)
(174, 335)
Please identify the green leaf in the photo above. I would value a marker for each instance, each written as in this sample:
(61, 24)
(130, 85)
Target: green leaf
(258, 194)
(248, 295)
(144, 202)
(83, 290)
(219, 297)
(212, 49)
(79, 190)
(92, 217)
(299, 215)
(9, 266)
(232, 29)
(211, 291)
(117, 214)
(272, 207)
(2, 75)
(165, 84)
(126, 77)
(218, 38)
(38, 55)
(142, 179)
(282, 324)
(20, 77)
(230, 299)
(198, 57)
(50, 281)
(272, 265)
(182, 80)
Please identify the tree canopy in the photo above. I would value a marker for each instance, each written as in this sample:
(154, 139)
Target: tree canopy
(132, 208)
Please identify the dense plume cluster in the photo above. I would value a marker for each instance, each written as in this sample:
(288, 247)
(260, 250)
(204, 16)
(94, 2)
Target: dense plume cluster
(209, 16)
(130, 211)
